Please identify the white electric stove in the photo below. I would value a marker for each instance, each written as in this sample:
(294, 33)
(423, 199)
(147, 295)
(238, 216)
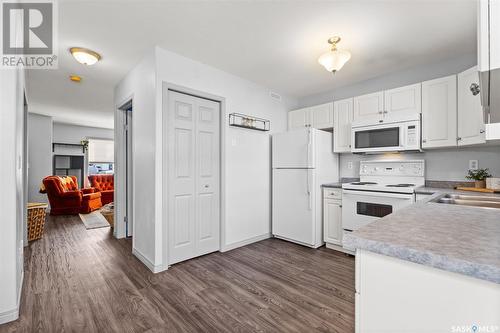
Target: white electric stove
(384, 187)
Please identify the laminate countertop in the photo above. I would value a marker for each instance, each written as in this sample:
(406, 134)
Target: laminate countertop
(460, 239)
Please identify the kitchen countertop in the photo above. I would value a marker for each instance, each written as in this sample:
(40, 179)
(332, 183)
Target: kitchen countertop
(460, 239)
(339, 184)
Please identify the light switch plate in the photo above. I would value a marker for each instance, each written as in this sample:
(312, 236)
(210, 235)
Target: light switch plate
(473, 164)
(349, 165)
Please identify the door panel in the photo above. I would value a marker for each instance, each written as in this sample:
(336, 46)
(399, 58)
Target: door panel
(343, 114)
(298, 118)
(322, 116)
(333, 221)
(403, 101)
(471, 128)
(193, 181)
(439, 112)
(369, 107)
(293, 149)
(293, 211)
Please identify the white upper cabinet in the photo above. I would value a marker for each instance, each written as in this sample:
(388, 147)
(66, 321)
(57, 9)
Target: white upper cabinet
(439, 112)
(298, 118)
(318, 116)
(403, 101)
(322, 116)
(342, 115)
(471, 128)
(489, 34)
(369, 107)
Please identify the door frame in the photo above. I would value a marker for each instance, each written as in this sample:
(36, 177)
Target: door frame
(165, 88)
(119, 230)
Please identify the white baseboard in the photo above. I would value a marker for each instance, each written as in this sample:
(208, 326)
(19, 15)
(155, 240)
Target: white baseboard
(233, 246)
(13, 314)
(152, 267)
(338, 248)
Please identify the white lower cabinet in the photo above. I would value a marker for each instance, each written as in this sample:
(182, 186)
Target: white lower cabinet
(332, 216)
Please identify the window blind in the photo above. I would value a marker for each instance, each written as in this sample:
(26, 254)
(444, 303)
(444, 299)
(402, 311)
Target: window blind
(101, 151)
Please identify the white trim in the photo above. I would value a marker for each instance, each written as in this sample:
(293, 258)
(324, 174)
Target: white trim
(235, 245)
(11, 315)
(152, 267)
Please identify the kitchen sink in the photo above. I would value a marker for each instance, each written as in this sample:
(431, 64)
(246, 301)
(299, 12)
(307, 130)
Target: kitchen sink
(469, 200)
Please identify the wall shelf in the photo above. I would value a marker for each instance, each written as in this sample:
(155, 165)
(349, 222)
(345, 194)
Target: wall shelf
(249, 122)
(61, 144)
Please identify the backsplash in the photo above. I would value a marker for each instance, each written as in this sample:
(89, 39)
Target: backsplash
(440, 164)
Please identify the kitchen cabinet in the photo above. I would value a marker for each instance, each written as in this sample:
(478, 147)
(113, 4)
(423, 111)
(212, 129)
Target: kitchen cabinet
(332, 216)
(342, 119)
(298, 118)
(439, 112)
(318, 116)
(369, 107)
(403, 101)
(471, 128)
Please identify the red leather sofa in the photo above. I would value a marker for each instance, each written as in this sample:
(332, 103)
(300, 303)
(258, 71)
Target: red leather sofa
(105, 184)
(65, 197)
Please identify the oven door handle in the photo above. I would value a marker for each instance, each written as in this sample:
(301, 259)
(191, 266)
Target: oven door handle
(407, 196)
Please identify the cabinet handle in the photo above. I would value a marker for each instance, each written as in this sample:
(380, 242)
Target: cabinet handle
(380, 112)
(385, 112)
(459, 138)
(424, 141)
(481, 131)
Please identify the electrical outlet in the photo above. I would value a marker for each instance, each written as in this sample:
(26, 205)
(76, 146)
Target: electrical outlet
(349, 165)
(473, 164)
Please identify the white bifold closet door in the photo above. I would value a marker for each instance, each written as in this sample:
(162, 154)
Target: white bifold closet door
(193, 176)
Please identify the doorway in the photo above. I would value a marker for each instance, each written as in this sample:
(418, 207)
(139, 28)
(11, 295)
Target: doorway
(193, 176)
(125, 165)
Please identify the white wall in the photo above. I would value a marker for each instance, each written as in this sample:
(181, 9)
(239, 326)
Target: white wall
(12, 193)
(440, 164)
(74, 134)
(39, 154)
(247, 153)
(139, 83)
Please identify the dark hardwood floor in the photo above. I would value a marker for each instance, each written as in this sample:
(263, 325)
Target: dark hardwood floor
(79, 280)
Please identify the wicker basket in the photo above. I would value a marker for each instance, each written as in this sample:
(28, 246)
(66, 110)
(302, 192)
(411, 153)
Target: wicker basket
(108, 211)
(36, 220)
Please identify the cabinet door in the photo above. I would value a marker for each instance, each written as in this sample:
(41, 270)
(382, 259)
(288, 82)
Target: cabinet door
(342, 115)
(488, 34)
(369, 107)
(403, 101)
(322, 116)
(471, 128)
(298, 118)
(439, 112)
(332, 221)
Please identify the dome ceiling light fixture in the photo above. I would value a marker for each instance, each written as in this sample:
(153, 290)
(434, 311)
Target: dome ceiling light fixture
(85, 56)
(334, 59)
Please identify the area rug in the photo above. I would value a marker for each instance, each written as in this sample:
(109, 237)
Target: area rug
(94, 220)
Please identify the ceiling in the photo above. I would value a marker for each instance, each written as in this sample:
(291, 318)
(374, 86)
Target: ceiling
(273, 43)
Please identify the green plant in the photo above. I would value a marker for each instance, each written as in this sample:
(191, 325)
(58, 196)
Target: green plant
(479, 174)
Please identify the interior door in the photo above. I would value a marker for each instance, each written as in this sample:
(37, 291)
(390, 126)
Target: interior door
(128, 172)
(293, 205)
(293, 149)
(193, 181)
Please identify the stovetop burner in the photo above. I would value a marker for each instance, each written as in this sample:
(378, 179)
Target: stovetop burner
(364, 183)
(400, 185)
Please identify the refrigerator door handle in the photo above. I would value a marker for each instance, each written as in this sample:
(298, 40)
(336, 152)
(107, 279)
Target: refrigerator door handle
(309, 190)
(309, 147)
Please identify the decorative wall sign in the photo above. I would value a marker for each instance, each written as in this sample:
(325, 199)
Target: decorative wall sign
(244, 121)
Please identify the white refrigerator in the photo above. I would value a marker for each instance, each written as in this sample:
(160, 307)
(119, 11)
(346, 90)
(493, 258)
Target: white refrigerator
(302, 160)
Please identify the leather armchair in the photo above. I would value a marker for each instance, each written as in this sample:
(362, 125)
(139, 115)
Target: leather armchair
(104, 184)
(65, 197)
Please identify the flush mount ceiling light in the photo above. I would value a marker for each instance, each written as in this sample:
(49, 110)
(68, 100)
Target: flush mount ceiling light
(75, 78)
(334, 59)
(85, 56)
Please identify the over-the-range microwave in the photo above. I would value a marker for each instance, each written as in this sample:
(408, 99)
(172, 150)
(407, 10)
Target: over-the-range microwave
(396, 134)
